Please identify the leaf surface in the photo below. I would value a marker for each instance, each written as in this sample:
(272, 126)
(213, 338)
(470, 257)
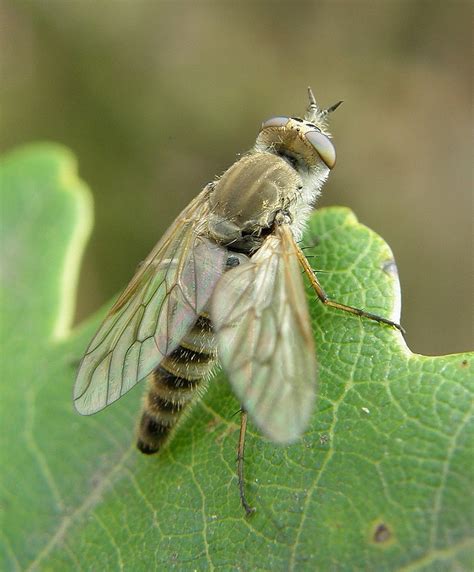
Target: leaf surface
(382, 479)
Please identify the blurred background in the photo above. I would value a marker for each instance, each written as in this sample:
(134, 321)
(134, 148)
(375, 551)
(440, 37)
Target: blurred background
(156, 97)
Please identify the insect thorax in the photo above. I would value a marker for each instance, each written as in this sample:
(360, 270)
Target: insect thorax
(246, 199)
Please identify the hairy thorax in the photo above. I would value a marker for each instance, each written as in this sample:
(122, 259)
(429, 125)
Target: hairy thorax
(247, 198)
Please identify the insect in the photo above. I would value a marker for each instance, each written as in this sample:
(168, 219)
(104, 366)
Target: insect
(225, 283)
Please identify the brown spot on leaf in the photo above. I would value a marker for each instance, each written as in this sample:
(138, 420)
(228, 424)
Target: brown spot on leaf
(382, 533)
(465, 363)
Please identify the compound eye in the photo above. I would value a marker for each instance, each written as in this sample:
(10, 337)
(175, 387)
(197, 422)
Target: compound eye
(275, 122)
(323, 146)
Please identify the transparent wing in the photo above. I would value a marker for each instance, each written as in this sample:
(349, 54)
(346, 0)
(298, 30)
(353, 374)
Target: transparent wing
(153, 314)
(264, 339)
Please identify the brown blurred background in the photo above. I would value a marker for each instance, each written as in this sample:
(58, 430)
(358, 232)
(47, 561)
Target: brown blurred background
(155, 98)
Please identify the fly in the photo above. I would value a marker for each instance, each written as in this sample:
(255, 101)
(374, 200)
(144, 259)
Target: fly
(224, 285)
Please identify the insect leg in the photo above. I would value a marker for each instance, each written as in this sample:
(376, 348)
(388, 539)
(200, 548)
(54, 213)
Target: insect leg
(332, 304)
(240, 463)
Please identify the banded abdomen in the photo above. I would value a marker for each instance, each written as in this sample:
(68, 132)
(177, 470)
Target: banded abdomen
(174, 384)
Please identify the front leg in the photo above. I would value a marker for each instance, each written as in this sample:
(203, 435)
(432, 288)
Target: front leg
(332, 304)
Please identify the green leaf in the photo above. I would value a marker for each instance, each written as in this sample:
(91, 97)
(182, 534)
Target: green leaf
(382, 479)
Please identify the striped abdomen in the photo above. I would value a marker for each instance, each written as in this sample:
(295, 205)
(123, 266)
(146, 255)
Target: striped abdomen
(174, 384)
